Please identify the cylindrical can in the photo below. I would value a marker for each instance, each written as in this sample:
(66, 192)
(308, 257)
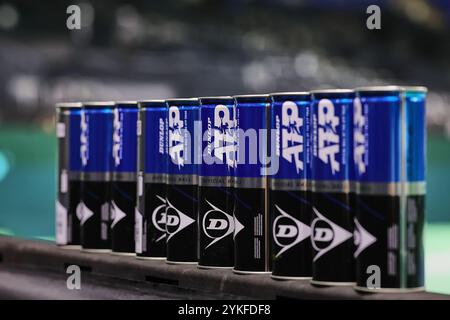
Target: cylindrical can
(290, 212)
(68, 117)
(389, 153)
(184, 143)
(97, 163)
(152, 174)
(332, 220)
(123, 186)
(251, 218)
(216, 201)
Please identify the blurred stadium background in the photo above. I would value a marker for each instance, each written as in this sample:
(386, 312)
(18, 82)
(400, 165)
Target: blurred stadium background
(158, 49)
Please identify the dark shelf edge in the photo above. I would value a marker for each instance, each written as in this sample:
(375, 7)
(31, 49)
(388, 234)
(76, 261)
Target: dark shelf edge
(45, 255)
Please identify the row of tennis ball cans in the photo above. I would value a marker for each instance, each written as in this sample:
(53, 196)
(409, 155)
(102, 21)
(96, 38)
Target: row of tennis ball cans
(327, 185)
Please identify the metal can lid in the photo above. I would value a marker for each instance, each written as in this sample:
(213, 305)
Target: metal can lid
(281, 96)
(127, 104)
(326, 91)
(393, 88)
(68, 105)
(256, 98)
(183, 101)
(333, 94)
(251, 95)
(293, 93)
(416, 89)
(99, 104)
(154, 103)
(216, 99)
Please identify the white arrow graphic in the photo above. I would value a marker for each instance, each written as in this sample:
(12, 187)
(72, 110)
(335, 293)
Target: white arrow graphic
(363, 238)
(86, 213)
(79, 211)
(237, 227)
(184, 221)
(303, 231)
(230, 220)
(117, 214)
(154, 217)
(340, 235)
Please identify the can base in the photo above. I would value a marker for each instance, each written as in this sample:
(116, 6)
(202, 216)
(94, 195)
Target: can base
(96, 250)
(390, 290)
(180, 262)
(289, 278)
(70, 247)
(331, 283)
(200, 266)
(150, 258)
(117, 253)
(250, 272)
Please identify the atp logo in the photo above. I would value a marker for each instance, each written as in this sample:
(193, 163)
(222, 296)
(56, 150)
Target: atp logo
(362, 238)
(328, 137)
(292, 143)
(326, 235)
(288, 231)
(176, 137)
(359, 137)
(217, 224)
(117, 137)
(159, 218)
(84, 141)
(224, 138)
(175, 220)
